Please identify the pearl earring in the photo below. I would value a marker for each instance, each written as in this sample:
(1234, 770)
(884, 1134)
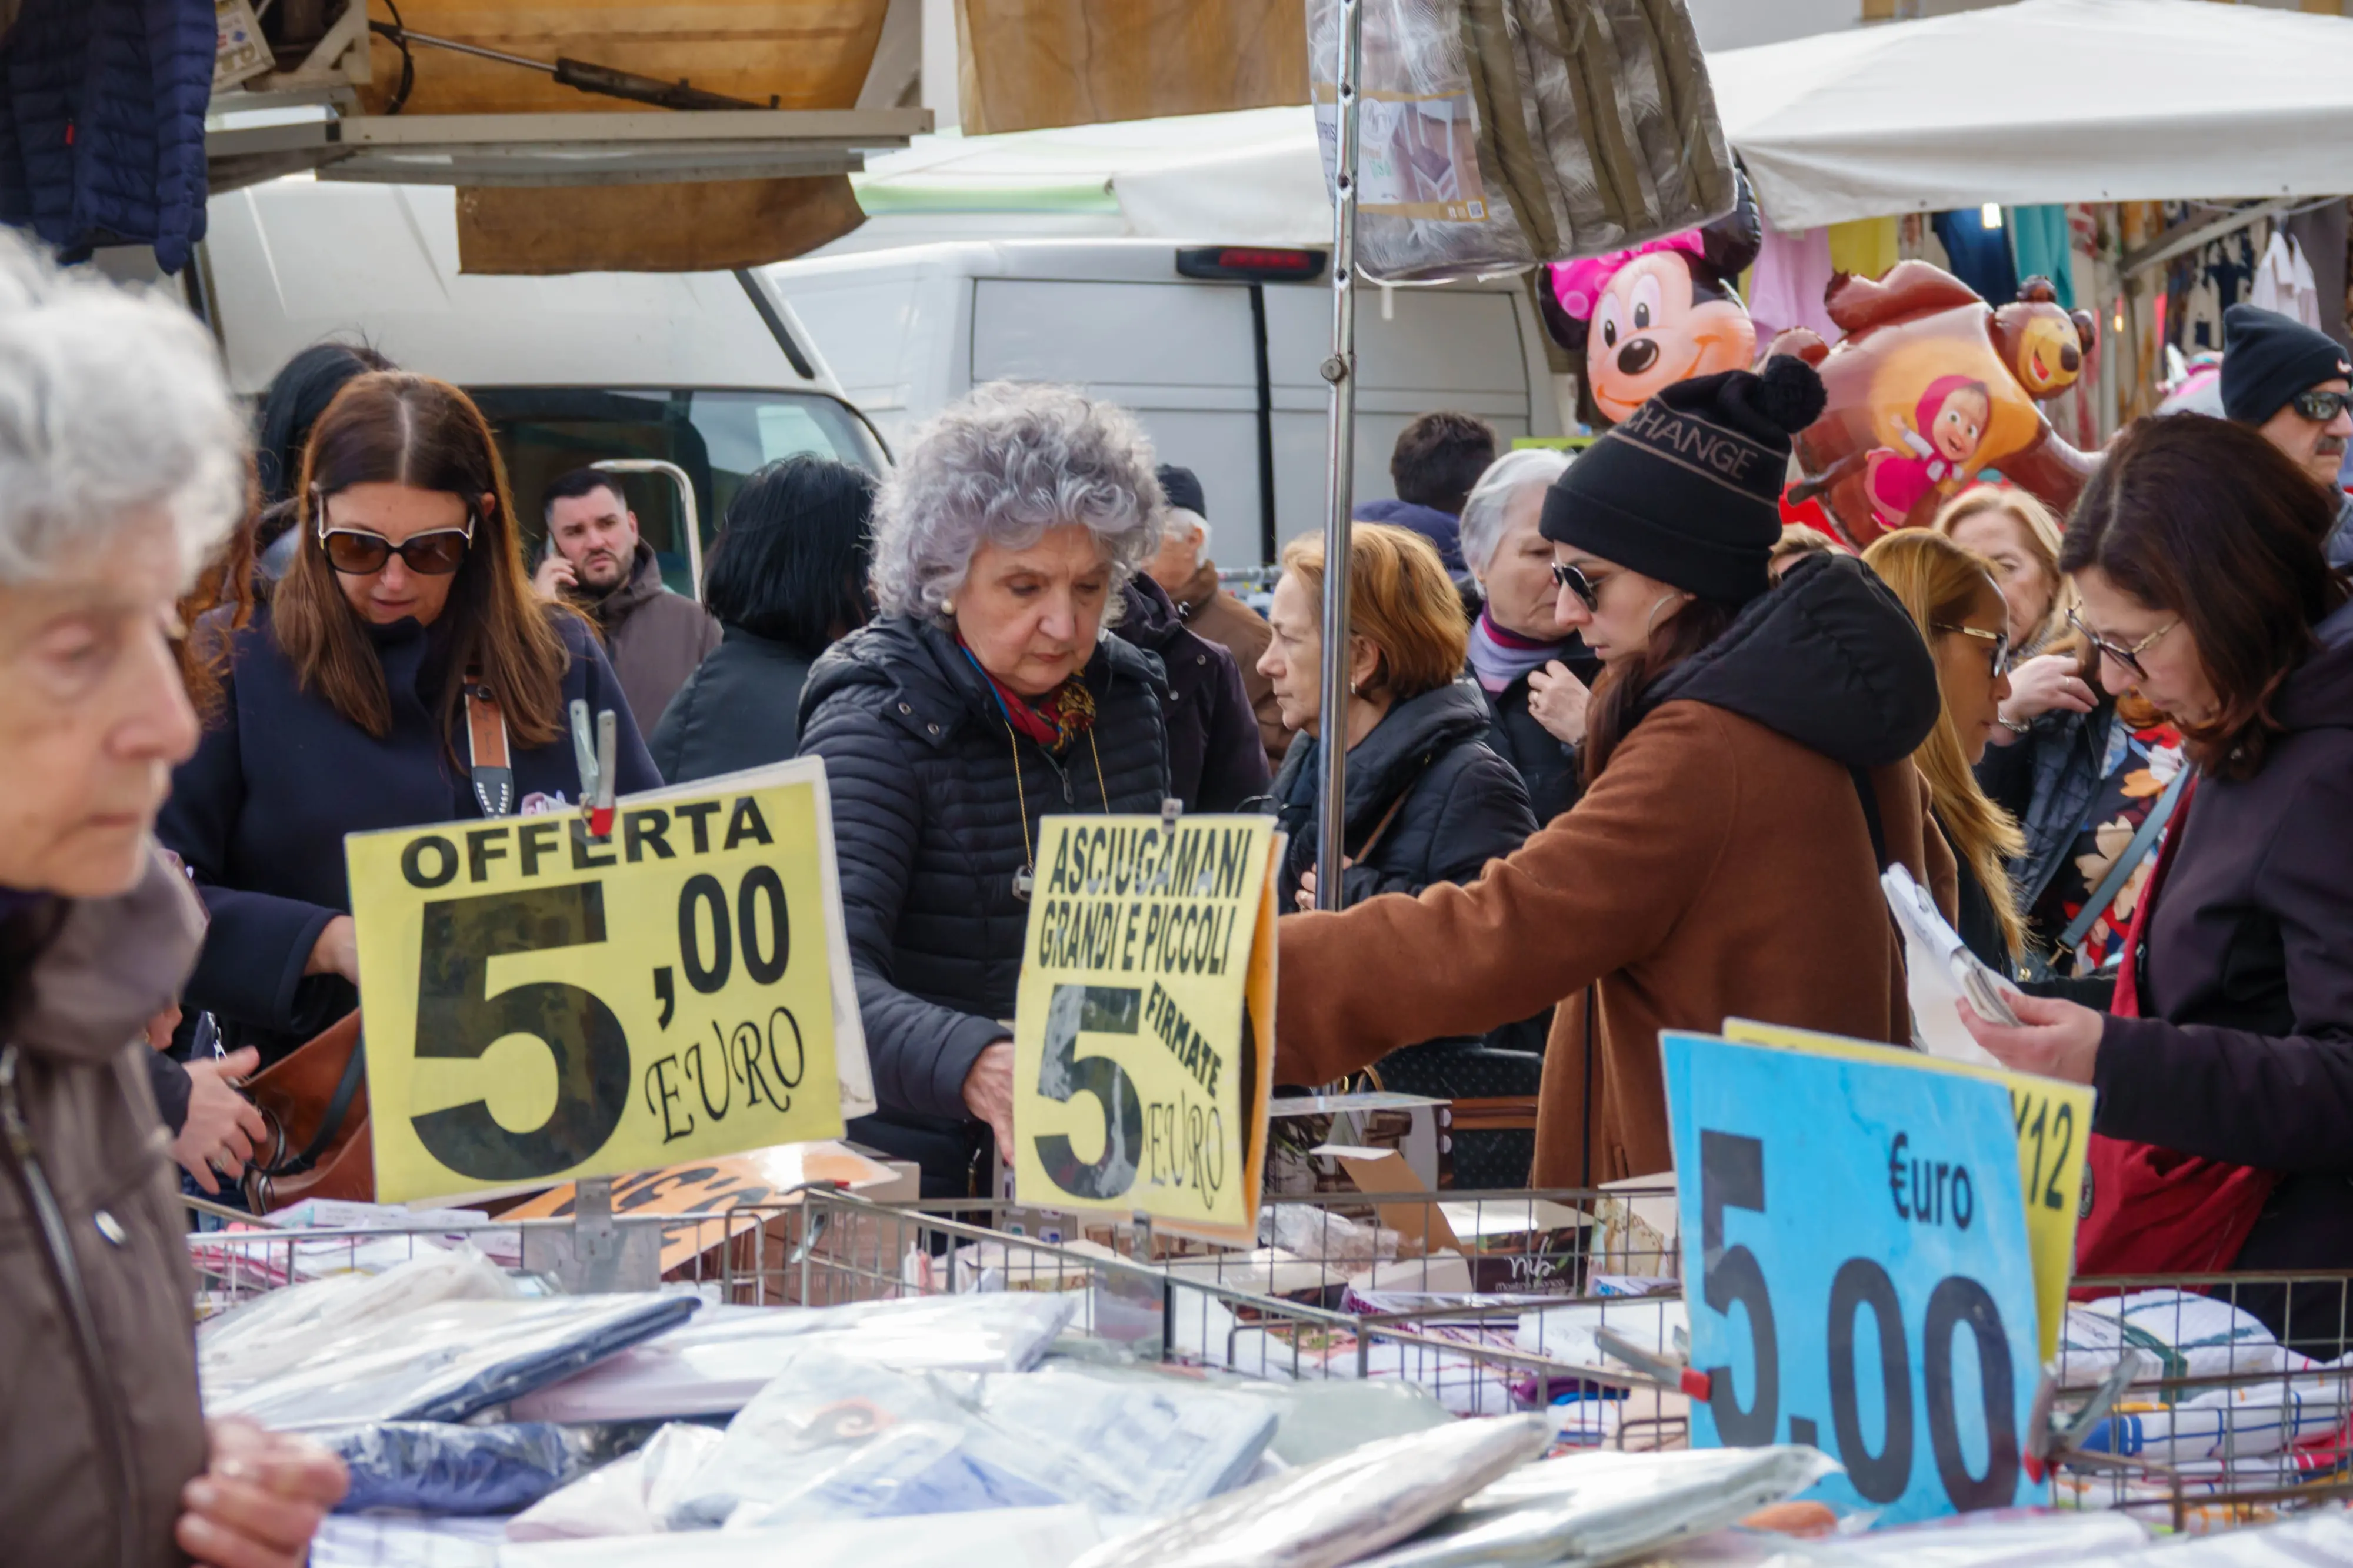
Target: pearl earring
(947, 606)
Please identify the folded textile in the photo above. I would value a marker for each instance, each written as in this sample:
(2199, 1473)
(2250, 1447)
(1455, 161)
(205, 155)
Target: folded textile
(834, 1437)
(2001, 1540)
(1340, 1510)
(1591, 1509)
(443, 1468)
(1565, 1334)
(713, 1364)
(445, 1362)
(2225, 1423)
(2190, 1334)
(384, 1540)
(273, 1332)
(630, 1495)
(1008, 1538)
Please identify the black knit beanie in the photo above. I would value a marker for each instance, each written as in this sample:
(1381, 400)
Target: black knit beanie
(1181, 489)
(2268, 358)
(1687, 489)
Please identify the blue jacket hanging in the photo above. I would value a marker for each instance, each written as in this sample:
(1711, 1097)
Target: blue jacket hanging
(102, 123)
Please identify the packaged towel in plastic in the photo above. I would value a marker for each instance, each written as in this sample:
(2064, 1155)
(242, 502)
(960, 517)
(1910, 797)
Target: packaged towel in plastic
(630, 1495)
(1007, 1538)
(443, 1468)
(1998, 1539)
(713, 1364)
(386, 1541)
(832, 1438)
(448, 1362)
(1339, 1510)
(2226, 1423)
(2191, 1335)
(1565, 1334)
(277, 1331)
(1592, 1509)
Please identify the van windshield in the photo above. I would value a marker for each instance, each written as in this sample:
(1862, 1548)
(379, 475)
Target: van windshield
(718, 437)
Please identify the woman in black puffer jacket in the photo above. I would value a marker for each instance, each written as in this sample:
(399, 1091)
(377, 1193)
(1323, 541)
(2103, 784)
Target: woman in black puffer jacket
(986, 695)
(1429, 800)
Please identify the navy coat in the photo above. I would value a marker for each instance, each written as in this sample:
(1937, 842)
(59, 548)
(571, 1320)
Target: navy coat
(260, 811)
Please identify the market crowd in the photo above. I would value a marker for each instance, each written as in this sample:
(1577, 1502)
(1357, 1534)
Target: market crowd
(1624, 753)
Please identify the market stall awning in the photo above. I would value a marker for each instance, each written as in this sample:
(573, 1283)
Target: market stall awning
(2046, 100)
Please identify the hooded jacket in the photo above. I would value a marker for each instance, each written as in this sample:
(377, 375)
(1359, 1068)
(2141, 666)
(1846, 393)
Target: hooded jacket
(1457, 805)
(1215, 762)
(655, 637)
(740, 709)
(98, 1421)
(1722, 864)
(2244, 1049)
(931, 828)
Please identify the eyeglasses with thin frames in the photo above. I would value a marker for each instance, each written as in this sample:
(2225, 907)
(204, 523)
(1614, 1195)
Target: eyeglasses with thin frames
(2127, 657)
(2000, 640)
(1579, 584)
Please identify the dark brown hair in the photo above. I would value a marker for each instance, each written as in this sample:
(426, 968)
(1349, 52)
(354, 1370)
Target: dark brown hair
(393, 427)
(1439, 459)
(227, 588)
(1618, 695)
(2207, 521)
(1400, 600)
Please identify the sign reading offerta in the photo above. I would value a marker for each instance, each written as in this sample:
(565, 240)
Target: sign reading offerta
(544, 1004)
(1143, 1033)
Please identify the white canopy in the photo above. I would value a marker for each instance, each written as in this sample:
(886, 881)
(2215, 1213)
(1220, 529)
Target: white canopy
(2046, 100)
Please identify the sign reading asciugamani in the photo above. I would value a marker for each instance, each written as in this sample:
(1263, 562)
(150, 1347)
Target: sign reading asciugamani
(1144, 1032)
(541, 1004)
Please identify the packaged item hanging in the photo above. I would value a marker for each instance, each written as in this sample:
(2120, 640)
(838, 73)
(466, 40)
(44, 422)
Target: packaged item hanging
(1338, 1511)
(1592, 1509)
(448, 1362)
(1493, 134)
(714, 1363)
(443, 1468)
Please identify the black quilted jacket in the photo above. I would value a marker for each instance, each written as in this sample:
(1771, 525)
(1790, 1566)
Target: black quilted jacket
(929, 833)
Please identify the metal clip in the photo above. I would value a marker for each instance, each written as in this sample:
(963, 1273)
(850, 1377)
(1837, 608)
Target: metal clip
(596, 754)
(1673, 1374)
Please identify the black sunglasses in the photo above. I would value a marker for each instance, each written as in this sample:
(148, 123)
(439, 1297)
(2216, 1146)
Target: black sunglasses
(2320, 408)
(1579, 584)
(357, 552)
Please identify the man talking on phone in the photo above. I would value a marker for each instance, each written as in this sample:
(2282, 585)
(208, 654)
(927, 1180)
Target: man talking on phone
(596, 561)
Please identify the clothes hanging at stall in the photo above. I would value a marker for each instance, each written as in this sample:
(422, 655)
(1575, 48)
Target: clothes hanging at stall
(2321, 232)
(1980, 256)
(1792, 272)
(1866, 248)
(2039, 246)
(2284, 282)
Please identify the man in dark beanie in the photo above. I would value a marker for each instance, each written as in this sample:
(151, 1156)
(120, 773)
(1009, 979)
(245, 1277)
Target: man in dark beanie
(2291, 383)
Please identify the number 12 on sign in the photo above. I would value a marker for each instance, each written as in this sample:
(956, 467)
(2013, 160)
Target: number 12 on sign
(1856, 1233)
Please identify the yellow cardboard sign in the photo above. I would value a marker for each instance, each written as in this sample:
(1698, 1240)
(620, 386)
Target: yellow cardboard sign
(2054, 1130)
(1144, 1033)
(544, 1006)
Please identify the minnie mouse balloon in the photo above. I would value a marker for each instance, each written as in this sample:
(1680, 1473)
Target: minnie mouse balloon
(1660, 313)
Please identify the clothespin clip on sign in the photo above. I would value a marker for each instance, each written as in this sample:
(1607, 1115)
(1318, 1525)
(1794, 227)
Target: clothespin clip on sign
(595, 756)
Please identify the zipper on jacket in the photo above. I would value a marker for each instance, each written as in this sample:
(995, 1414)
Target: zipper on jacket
(25, 1156)
(1055, 762)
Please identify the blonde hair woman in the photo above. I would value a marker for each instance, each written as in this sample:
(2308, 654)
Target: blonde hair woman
(2017, 534)
(1951, 595)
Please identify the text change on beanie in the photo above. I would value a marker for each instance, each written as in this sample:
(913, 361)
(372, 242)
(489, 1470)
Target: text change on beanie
(1687, 489)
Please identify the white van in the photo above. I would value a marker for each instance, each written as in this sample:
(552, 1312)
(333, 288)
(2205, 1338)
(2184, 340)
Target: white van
(1217, 349)
(704, 370)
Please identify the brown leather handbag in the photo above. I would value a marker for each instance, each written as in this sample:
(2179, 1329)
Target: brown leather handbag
(315, 1103)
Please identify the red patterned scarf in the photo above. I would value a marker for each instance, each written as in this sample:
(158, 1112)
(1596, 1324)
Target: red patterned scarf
(1053, 720)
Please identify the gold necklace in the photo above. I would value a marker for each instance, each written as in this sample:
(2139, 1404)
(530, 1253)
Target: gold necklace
(1026, 879)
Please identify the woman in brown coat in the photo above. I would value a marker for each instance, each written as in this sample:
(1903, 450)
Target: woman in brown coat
(1748, 774)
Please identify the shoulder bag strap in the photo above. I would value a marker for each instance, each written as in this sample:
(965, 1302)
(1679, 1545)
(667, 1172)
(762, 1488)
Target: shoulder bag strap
(489, 764)
(2134, 852)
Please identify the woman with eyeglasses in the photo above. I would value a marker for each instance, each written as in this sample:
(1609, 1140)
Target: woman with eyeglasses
(1952, 597)
(1747, 765)
(401, 651)
(2225, 1068)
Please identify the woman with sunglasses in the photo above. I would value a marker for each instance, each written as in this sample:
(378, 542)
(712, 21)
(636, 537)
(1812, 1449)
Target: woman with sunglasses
(344, 705)
(1748, 765)
(1951, 595)
(2225, 1068)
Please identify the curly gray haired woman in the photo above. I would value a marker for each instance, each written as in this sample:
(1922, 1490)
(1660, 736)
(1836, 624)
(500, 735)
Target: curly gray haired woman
(987, 693)
(1003, 467)
(122, 464)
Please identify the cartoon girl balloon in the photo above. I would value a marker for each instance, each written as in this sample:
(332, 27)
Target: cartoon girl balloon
(1946, 430)
(1659, 313)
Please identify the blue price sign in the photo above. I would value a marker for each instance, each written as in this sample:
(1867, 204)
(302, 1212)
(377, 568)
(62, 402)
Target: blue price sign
(1856, 1263)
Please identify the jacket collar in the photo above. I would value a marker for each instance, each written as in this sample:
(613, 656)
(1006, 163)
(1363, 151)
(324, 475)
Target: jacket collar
(932, 690)
(1391, 758)
(643, 583)
(115, 964)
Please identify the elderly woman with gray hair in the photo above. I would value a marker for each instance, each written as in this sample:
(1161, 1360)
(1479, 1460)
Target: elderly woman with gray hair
(1533, 670)
(987, 692)
(122, 466)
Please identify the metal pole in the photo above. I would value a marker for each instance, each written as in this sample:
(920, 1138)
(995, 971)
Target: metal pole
(685, 486)
(1340, 370)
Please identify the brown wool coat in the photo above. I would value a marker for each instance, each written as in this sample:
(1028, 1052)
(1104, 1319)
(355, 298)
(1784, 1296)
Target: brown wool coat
(1210, 612)
(1716, 870)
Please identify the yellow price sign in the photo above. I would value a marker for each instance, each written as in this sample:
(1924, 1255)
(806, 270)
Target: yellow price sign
(1144, 1032)
(543, 1005)
(2054, 1129)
